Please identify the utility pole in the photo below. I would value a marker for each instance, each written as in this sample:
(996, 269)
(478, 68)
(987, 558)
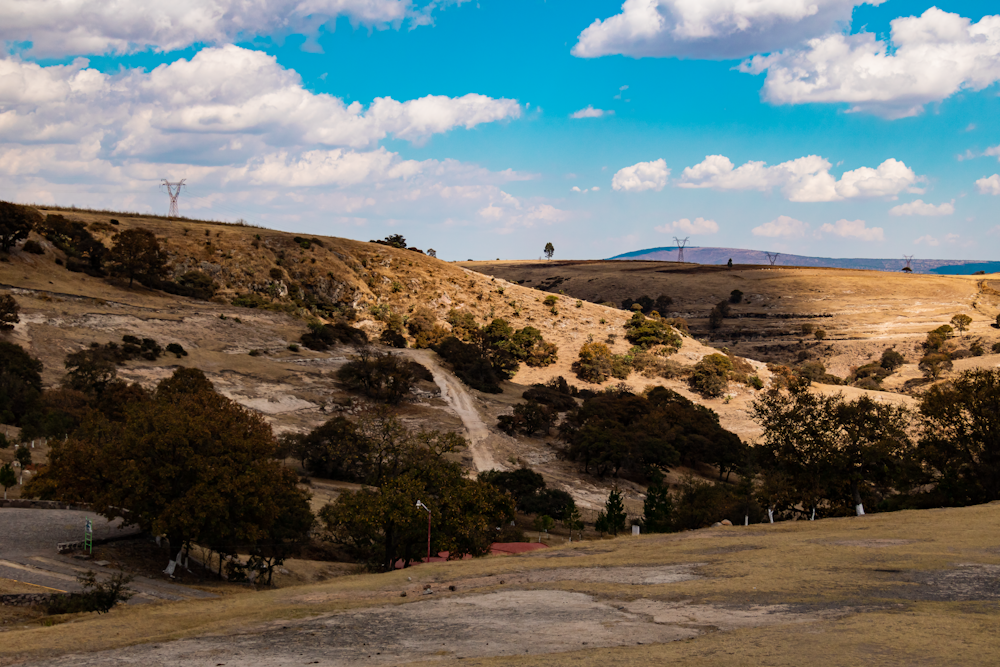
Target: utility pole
(680, 248)
(908, 258)
(174, 191)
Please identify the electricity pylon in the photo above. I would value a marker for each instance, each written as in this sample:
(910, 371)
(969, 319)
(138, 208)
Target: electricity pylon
(680, 248)
(174, 191)
(772, 257)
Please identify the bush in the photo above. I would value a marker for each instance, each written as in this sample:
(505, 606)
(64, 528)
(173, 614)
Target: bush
(176, 350)
(736, 296)
(471, 365)
(378, 375)
(891, 360)
(710, 376)
(197, 285)
(820, 334)
(33, 247)
(555, 503)
(10, 312)
(556, 394)
(678, 323)
(645, 333)
(551, 300)
(250, 300)
(96, 595)
(392, 338)
(322, 337)
(528, 418)
(594, 364)
(463, 324)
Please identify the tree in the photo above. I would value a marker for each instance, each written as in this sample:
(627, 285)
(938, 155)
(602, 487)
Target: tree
(188, 463)
(820, 334)
(891, 360)
(614, 512)
(935, 363)
(431, 252)
(711, 375)
(9, 312)
(573, 521)
(542, 524)
(137, 254)
(16, 222)
(378, 375)
(960, 437)
(90, 371)
(645, 332)
(594, 363)
(20, 383)
(7, 478)
(736, 296)
(961, 322)
(549, 250)
(658, 509)
(827, 446)
(23, 456)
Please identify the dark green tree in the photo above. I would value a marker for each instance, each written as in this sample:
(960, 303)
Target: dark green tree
(8, 478)
(9, 312)
(614, 512)
(16, 222)
(20, 383)
(136, 253)
(549, 250)
(379, 375)
(658, 509)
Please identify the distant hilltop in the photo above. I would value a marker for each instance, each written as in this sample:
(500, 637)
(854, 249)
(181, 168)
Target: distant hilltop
(959, 267)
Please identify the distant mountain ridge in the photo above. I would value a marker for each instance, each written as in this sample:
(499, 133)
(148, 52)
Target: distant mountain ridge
(741, 256)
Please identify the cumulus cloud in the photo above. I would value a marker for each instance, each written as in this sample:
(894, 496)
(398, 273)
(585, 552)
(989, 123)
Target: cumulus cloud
(989, 186)
(590, 112)
(853, 229)
(509, 213)
(927, 59)
(918, 207)
(713, 29)
(642, 176)
(806, 179)
(927, 239)
(993, 151)
(80, 27)
(685, 226)
(781, 227)
(250, 140)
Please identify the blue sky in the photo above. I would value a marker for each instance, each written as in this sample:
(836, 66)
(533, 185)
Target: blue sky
(830, 127)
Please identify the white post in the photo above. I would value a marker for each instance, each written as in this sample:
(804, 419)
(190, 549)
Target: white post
(770, 515)
(860, 509)
(813, 518)
(746, 519)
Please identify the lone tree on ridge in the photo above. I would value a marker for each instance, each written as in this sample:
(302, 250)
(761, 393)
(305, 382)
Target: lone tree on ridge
(549, 250)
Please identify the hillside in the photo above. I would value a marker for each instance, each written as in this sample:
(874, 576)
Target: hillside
(863, 312)
(758, 257)
(245, 351)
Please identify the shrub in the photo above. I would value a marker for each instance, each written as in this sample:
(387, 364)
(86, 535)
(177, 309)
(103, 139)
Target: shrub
(250, 300)
(935, 363)
(977, 349)
(808, 328)
(594, 364)
(710, 375)
(891, 360)
(176, 350)
(995, 348)
(293, 347)
(463, 324)
(528, 418)
(96, 595)
(555, 503)
(645, 333)
(378, 375)
(392, 338)
(819, 334)
(678, 323)
(9, 312)
(736, 296)
(422, 325)
(197, 285)
(321, 337)
(471, 365)
(551, 300)
(33, 247)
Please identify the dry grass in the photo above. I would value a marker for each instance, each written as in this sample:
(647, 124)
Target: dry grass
(881, 574)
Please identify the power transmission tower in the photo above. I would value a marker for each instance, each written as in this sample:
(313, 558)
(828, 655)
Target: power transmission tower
(908, 258)
(772, 257)
(680, 248)
(174, 191)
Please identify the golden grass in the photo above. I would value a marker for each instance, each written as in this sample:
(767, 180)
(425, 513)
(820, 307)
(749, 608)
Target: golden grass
(829, 564)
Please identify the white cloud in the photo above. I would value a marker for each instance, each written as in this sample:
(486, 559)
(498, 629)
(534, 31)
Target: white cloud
(806, 179)
(989, 186)
(80, 27)
(621, 90)
(927, 239)
(853, 229)
(918, 207)
(508, 213)
(993, 151)
(685, 226)
(642, 176)
(591, 112)
(713, 29)
(929, 58)
(585, 190)
(781, 227)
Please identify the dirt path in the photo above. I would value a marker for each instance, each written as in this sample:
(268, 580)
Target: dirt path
(460, 401)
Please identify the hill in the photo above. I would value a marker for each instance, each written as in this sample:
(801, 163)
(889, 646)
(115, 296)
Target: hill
(697, 255)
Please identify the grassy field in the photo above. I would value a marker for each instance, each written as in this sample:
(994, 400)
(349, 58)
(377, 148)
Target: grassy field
(901, 588)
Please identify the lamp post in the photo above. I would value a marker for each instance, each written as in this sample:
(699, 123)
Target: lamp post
(420, 504)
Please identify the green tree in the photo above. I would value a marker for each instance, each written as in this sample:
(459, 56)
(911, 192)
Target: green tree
(542, 523)
(645, 332)
(188, 463)
(891, 360)
(614, 511)
(573, 521)
(595, 362)
(7, 478)
(658, 509)
(16, 222)
(934, 364)
(960, 437)
(961, 322)
(549, 250)
(378, 375)
(136, 253)
(90, 371)
(9, 312)
(20, 383)
(711, 375)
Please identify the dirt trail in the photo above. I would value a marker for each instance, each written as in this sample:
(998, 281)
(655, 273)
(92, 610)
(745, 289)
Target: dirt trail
(460, 401)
